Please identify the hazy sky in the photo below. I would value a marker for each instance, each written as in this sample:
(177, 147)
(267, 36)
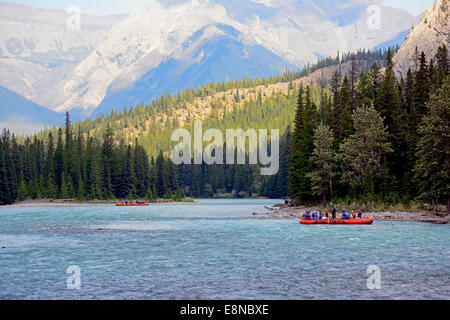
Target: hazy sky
(104, 7)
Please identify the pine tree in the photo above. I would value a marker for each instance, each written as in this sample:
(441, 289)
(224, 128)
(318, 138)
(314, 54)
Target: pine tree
(323, 159)
(388, 99)
(389, 104)
(362, 152)
(443, 65)
(433, 153)
(107, 162)
(94, 180)
(5, 196)
(160, 176)
(422, 88)
(301, 149)
(52, 191)
(11, 173)
(127, 189)
(59, 161)
(343, 124)
(141, 167)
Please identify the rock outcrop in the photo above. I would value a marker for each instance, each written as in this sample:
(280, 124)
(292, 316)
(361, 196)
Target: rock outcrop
(432, 31)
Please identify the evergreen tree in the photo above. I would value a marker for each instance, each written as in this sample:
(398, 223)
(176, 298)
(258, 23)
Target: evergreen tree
(362, 152)
(59, 162)
(127, 188)
(343, 124)
(52, 191)
(422, 87)
(443, 65)
(107, 162)
(5, 196)
(389, 104)
(301, 149)
(323, 159)
(141, 167)
(160, 175)
(94, 180)
(433, 153)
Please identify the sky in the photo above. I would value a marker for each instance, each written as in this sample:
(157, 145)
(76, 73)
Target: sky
(105, 7)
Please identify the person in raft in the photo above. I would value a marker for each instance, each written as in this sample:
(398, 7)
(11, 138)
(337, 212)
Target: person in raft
(345, 215)
(314, 215)
(359, 215)
(333, 212)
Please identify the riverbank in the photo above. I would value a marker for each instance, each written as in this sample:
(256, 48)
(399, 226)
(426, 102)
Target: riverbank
(74, 203)
(298, 212)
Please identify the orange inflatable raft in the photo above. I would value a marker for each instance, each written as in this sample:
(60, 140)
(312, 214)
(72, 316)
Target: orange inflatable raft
(337, 221)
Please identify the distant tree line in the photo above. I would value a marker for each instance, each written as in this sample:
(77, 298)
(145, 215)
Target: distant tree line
(366, 137)
(73, 166)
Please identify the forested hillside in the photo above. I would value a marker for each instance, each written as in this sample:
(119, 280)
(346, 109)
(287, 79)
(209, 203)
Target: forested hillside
(354, 136)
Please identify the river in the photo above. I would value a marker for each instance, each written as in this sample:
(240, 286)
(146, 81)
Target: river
(208, 251)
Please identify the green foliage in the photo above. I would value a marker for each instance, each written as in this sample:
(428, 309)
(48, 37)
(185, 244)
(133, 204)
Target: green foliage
(301, 147)
(432, 169)
(124, 154)
(362, 152)
(323, 159)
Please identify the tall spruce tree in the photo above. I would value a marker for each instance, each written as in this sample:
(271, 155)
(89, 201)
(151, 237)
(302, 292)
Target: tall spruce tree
(5, 195)
(362, 152)
(108, 163)
(323, 159)
(389, 104)
(301, 148)
(433, 152)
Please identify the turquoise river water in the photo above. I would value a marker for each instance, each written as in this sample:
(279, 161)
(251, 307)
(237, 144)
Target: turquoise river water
(207, 251)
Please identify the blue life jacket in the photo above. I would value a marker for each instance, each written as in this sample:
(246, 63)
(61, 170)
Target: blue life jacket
(314, 215)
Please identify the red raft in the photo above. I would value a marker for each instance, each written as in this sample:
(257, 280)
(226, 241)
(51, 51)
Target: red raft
(132, 205)
(338, 221)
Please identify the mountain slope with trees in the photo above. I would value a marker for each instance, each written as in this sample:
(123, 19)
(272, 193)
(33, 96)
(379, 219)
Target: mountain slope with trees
(364, 137)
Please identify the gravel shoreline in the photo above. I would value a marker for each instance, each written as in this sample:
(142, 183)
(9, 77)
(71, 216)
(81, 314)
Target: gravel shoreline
(297, 213)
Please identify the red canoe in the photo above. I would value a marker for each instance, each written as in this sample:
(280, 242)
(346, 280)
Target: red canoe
(338, 221)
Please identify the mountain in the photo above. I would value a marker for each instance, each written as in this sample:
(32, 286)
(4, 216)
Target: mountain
(39, 47)
(118, 61)
(203, 61)
(432, 32)
(167, 32)
(24, 116)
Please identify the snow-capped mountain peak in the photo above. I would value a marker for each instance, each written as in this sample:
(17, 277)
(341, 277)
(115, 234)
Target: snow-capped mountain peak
(173, 44)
